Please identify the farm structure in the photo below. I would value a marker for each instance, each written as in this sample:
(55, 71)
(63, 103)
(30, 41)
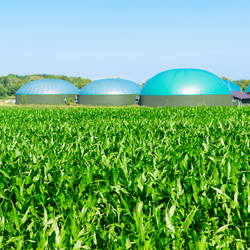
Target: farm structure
(44, 91)
(247, 91)
(240, 98)
(109, 92)
(185, 87)
(232, 86)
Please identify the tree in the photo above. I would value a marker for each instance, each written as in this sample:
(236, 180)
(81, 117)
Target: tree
(3, 91)
(1, 79)
(82, 82)
(242, 83)
(33, 78)
(144, 83)
(6, 82)
(225, 78)
(15, 88)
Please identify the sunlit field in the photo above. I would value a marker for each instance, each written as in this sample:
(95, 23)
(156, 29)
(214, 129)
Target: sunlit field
(124, 178)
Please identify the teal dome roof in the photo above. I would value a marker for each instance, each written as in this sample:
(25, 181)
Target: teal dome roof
(48, 87)
(232, 86)
(111, 87)
(247, 89)
(185, 82)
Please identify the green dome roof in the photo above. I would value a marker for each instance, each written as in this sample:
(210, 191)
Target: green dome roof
(185, 82)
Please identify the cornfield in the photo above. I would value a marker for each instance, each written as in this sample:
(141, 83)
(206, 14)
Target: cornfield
(125, 178)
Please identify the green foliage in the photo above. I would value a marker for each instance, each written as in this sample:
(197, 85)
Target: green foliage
(6, 82)
(13, 82)
(15, 88)
(3, 92)
(203, 104)
(125, 178)
(82, 82)
(225, 78)
(69, 100)
(243, 84)
(166, 105)
(144, 82)
(24, 99)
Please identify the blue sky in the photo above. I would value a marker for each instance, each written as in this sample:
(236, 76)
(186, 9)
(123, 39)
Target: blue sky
(129, 39)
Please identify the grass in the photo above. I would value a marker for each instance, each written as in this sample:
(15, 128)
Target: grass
(124, 178)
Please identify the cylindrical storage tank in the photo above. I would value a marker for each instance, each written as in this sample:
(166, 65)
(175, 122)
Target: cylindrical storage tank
(47, 91)
(185, 87)
(109, 92)
(232, 86)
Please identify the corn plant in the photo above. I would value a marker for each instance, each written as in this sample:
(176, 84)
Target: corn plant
(125, 178)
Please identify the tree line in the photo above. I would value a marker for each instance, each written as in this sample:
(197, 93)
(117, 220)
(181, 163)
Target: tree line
(11, 83)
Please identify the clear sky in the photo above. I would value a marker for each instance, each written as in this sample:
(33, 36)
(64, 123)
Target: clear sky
(131, 39)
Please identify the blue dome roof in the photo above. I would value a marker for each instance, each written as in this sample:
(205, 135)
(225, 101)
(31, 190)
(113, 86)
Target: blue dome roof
(48, 87)
(232, 86)
(185, 82)
(111, 87)
(247, 89)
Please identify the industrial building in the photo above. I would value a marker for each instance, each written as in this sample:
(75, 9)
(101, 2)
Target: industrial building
(185, 87)
(109, 92)
(46, 91)
(240, 98)
(232, 86)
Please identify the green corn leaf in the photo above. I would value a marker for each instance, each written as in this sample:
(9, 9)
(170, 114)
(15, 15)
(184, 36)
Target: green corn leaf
(168, 222)
(189, 219)
(221, 229)
(5, 173)
(25, 216)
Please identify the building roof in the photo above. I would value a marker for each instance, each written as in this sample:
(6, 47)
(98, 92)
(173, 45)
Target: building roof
(111, 87)
(240, 96)
(232, 86)
(185, 82)
(247, 89)
(48, 87)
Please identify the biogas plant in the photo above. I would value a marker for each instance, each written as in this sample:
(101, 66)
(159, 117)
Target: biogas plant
(174, 88)
(110, 92)
(44, 91)
(185, 87)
